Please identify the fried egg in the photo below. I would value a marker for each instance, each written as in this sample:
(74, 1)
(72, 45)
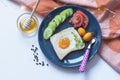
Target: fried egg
(66, 41)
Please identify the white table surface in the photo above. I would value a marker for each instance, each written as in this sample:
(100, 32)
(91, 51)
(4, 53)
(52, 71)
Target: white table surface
(16, 58)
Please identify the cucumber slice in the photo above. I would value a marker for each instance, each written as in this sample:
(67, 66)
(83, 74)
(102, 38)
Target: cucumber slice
(47, 33)
(70, 11)
(67, 12)
(56, 21)
(52, 27)
(52, 24)
(64, 13)
(59, 18)
(63, 16)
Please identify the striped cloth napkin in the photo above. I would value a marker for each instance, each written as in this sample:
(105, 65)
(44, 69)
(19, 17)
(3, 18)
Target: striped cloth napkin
(107, 13)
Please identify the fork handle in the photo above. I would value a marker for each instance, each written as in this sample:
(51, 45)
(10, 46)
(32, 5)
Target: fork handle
(84, 61)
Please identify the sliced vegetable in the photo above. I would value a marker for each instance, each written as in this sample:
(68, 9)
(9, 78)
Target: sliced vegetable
(63, 16)
(70, 11)
(52, 23)
(52, 27)
(56, 21)
(64, 13)
(47, 33)
(59, 18)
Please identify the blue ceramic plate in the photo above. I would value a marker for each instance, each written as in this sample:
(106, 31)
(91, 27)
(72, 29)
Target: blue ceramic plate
(75, 58)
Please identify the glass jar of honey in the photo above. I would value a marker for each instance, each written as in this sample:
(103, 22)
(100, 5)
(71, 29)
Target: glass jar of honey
(32, 27)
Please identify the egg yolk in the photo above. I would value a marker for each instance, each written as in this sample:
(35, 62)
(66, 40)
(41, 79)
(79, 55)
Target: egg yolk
(64, 43)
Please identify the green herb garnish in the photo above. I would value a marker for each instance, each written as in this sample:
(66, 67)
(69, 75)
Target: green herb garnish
(77, 40)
